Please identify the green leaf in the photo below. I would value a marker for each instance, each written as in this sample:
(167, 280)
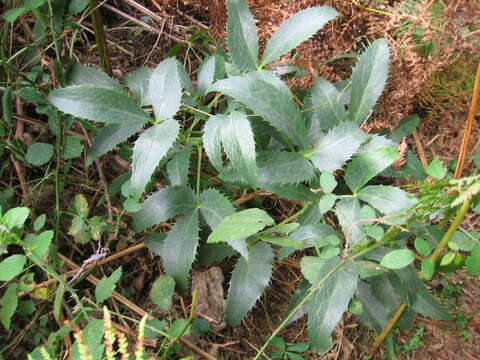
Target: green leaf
(298, 192)
(335, 148)
(76, 6)
(368, 269)
(296, 30)
(85, 75)
(162, 292)
(327, 182)
(328, 107)
(39, 222)
(15, 218)
(12, 14)
(185, 81)
(98, 104)
(239, 146)
(436, 170)
(8, 305)
(268, 97)
(311, 266)
(11, 267)
(422, 247)
(348, 214)
(387, 199)
(329, 303)
(41, 244)
(367, 165)
(212, 68)
(368, 80)
(179, 328)
(149, 149)
(397, 259)
(240, 225)
(107, 285)
(427, 304)
(80, 205)
(165, 89)
(326, 202)
(110, 136)
(473, 261)
(282, 241)
(282, 167)
(163, 205)
(57, 303)
(447, 259)
(138, 81)
(464, 242)
(214, 208)
(177, 167)
(249, 280)
(39, 153)
(180, 247)
(73, 148)
(428, 268)
(92, 337)
(212, 141)
(476, 157)
(242, 39)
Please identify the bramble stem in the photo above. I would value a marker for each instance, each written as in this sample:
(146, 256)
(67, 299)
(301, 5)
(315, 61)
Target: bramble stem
(435, 255)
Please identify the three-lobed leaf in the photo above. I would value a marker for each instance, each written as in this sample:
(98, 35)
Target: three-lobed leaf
(295, 30)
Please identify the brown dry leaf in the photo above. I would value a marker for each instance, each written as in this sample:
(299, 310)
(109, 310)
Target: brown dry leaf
(402, 149)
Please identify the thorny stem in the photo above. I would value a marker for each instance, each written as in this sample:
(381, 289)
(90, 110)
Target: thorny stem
(435, 255)
(389, 235)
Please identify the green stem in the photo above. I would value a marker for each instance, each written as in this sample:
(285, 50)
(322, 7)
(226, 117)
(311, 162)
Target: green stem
(185, 326)
(199, 169)
(100, 38)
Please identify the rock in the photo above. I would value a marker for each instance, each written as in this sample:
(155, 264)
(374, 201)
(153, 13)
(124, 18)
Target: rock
(210, 296)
